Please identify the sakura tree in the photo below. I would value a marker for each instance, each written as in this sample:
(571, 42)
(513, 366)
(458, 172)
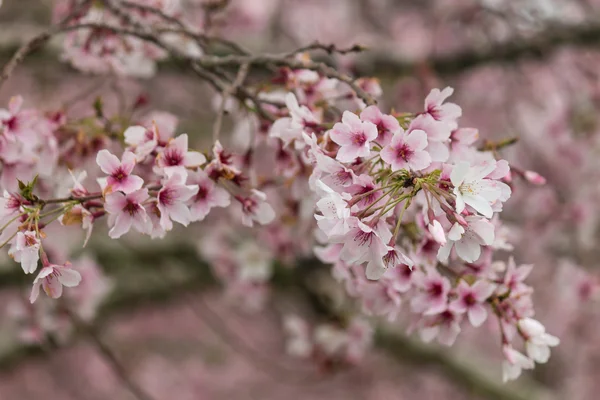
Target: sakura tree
(307, 180)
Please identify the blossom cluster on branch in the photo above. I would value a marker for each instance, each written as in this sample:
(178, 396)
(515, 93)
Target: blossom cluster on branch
(404, 205)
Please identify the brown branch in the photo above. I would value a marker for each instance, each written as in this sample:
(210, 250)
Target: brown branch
(37, 41)
(109, 356)
(539, 46)
(239, 80)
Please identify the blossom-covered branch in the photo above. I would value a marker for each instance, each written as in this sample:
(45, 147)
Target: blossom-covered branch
(405, 206)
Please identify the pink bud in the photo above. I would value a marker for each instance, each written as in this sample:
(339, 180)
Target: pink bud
(534, 178)
(436, 230)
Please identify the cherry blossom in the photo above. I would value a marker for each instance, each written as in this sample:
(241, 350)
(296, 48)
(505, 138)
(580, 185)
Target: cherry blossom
(290, 129)
(433, 297)
(538, 342)
(209, 195)
(126, 211)
(514, 363)
(256, 208)
(354, 137)
(467, 241)
(52, 278)
(119, 172)
(406, 151)
(386, 125)
(173, 197)
(471, 187)
(26, 250)
(176, 154)
(470, 300)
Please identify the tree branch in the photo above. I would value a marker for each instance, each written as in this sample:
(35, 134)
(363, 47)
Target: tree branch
(539, 46)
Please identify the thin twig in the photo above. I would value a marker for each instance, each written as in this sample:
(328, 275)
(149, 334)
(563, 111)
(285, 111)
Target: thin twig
(109, 355)
(239, 80)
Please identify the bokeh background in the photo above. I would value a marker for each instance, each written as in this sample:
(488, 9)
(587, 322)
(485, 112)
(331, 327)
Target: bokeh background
(528, 69)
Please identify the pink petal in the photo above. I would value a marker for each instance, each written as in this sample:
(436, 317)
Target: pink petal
(416, 140)
(420, 160)
(128, 162)
(194, 159)
(122, 225)
(179, 212)
(108, 162)
(69, 277)
(52, 287)
(468, 250)
(477, 315)
(129, 184)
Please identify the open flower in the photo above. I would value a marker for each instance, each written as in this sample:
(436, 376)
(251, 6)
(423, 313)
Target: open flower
(26, 250)
(256, 208)
(433, 295)
(387, 125)
(52, 278)
(290, 129)
(173, 196)
(119, 172)
(209, 195)
(126, 211)
(468, 241)
(354, 137)
(471, 300)
(538, 341)
(514, 362)
(471, 187)
(406, 151)
(176, 154)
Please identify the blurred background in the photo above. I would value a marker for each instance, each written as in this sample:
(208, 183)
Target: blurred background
(528, 69)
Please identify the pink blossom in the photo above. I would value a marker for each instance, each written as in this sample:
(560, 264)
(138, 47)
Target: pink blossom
(468, 241)
(514, 362)
(290, 129)
(537, 340)
(471, 187)
(119, 172)
(52, 278)
(256, 208)
(444, 326)
(432, 297)
(298, 343)
(406, 151)
(176, 154)
(354, 137)
(514, 277)
(209, 195)
(141, 140)
(335, 175)
(534, 178)
(387, 125)
(173, 196)
(126, 211)
(14, 121)
(437, 232)
(435, 107)
(471, 300)
(26, 250)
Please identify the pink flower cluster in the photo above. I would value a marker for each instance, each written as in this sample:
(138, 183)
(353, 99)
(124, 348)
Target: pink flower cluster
(406, 208)
(102, 50)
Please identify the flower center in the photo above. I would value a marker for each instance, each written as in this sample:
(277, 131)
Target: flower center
(173, 158)
(404, 152)
(359, 139)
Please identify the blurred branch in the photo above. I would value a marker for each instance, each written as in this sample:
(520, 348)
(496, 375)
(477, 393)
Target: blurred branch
(194, 275)
(539, 46)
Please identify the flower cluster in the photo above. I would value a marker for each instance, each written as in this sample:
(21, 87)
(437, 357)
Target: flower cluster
(407, 210)
(328, 345)
(100, 49)
(404, 206)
